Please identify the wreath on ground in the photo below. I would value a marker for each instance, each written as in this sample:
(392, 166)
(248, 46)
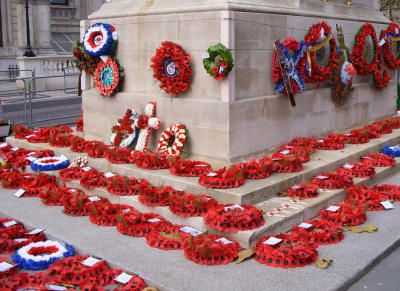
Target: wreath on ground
(50, 163)
(218, 61)
(108, 76)
(392, 33)
(171, 66)
(363, 66)
(100, 39)
(172, 140)
(294, 66)
(315, 72)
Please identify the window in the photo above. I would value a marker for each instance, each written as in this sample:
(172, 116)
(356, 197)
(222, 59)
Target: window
(59, 2)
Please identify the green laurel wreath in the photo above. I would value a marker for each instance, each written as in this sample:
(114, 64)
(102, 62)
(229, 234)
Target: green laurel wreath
(220, 61)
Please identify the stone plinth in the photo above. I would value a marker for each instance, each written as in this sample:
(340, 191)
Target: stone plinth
(241, 116)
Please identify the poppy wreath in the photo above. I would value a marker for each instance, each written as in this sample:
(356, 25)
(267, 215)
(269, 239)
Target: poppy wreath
(211, 249)
(391, 34)
(151, 161)
(392, 191)
(78, 145)
(9, 228)
(100, 39)
(15, 179)
(381, 76)
(374, 130)
(315, 72)
(358, 194)
(40, 255)
(33, 189)
(25, 281)
(189, 168)
(60, 140)
(319, 233)
(303, 191)
(302, 152)
(256, 169)
(328, 144)
(288, 253)
(347, 73)
(108, 76)
(384, 127)
(105, 214)
(79, 123)
(136, 283)
(223, 179)
(118, 155)
(77, 204)
(152, 196)
(307, 142)
(96, 149)
(190, 205)
(124, 132)
(218, 61)
(83, 61)
(375, 199)
(11, 269)
(93, 179)
(332, 181)
(169, 239)
(120, 185)
(139, 225)
(356, 170)
(363, 66)
(38, 138)
(20, 131)
(50, 196)
(232, 218)
(342, 80)
(357, 136)
(69, 174)
(10, 244)
(172, 140)
(378, 160)
(346, 214)
(50, 164)
(295, 66)
(393, 151)
(287, 163)
(171, 66)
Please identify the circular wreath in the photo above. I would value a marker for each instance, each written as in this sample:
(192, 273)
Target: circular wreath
(332, 181)
(171, 66)
(356, 170)
(347, 73)
(211, 249)
(83, 61)
(218, 61)
(393, 31)
(393, 151)
(254, 169)
(318, 232)
(40, 255)
(100, 39)
(169, 239)
(124, 132)
(295, 66)
(303, 191)
(392, 191)
(190, 168)
(287, 163)
(378, 160)
(345, 214)
(223, 178)
(108, 76)
(9, 268)
(315, 72)
(362, 66)
(232, 218)
(134, 224)
(50, 163)
(172, 140)
(381, 76)
(188, 204)
(329, 144)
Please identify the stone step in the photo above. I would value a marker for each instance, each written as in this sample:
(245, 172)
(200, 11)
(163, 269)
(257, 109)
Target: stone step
(253, 191)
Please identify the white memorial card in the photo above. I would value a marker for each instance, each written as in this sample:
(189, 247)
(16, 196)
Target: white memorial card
(19, 193)
(332, 208)
(272, 241)
(123, 278)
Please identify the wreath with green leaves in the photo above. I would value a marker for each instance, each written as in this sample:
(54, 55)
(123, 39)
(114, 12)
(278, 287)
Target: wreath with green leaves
(218, 61)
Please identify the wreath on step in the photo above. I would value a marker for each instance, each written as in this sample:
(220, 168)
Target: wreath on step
(218, 61)
(172, 140)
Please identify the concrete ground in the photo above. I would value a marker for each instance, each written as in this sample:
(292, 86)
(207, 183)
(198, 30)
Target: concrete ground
(170, 270)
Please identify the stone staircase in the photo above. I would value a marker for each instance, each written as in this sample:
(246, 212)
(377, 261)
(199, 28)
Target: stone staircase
(281, 213)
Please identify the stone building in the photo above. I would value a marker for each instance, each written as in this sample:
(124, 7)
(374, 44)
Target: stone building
(54, 26)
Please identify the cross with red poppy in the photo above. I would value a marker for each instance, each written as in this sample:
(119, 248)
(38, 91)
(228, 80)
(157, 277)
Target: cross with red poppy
(146, 122)
(124, 126)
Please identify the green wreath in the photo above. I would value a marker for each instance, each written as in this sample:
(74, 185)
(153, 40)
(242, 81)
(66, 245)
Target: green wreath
(218, 61)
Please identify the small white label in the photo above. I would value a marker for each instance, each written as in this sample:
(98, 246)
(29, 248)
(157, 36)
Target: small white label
(9, 223)
(14, 149)
(29, 136)
(154, 220)
(233, 207)
(348, 166)
(394, 148)
(72, 190)
(108, 175)
(348, 134)
(94, 198)
(396, 29)
(211, 174)
(201, 165)
(221, 69)
(5, 266)
(90, 262)
(366, 157)
(305, 225)
(2, 145)
(322, 32)
(126, 210)
(31, 159)
(272, 241)
(19, 193)
(31, 153)
(27, 177)
(289, 147)
(86, 169)
(285, 152)
(36, 231)
(205, 55)
(55, 287)
(382, 42)
(321, 177)
(123, 278)
(190, 230)
(387, 204)
(19, 240)
(224, 240)
(320, 140)
(295, 187)
(332, 208)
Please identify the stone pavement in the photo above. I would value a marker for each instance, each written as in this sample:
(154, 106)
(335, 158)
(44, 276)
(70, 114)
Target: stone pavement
(170, 270)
